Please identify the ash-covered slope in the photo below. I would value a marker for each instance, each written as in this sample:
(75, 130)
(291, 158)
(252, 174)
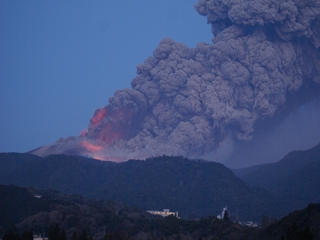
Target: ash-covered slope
(191, 101)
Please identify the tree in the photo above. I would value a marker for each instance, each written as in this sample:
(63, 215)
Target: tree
(112, 236)
(63, 234)
(265, 222)
(83, 235)
(226, 215)
(11, 235)
(74, 236)
(54, 232)
(293, 233)
(26, 235)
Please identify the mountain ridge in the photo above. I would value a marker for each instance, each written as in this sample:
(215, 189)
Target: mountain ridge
(294, 178)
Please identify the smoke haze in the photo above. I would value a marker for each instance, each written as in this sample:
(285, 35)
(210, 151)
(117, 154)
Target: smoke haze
(259, 80)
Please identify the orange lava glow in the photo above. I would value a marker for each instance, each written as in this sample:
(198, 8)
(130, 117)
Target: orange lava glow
(90, 147)
(118, 128)
(110, 134)
(83, 133)
(108, 158)
(111, 125)
(98, 116)
(96, 157)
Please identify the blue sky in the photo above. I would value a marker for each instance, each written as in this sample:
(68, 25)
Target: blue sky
(61, 60)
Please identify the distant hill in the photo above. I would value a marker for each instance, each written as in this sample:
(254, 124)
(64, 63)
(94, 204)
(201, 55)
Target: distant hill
(16, 204)
(295, 178)
(69, 174)
(194, 188)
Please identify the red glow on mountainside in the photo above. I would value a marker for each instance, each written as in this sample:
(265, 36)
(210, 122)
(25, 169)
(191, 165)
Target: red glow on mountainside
(103, 157)
(109, 126)
(98, 116)
(98, 152)
(111, 133)
(90, 147)
(97, 157)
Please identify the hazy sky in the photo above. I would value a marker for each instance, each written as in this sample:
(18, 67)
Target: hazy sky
(61, 60)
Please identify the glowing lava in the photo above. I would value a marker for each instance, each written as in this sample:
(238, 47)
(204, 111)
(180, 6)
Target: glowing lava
(98, 116)
(116, 125)
(90, 147)
(98, 152)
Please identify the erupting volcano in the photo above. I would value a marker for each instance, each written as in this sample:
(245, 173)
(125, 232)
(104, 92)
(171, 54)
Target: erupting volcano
(264, 60)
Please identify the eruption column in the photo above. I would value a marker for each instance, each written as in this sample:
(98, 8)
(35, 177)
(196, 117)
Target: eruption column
(189, 101)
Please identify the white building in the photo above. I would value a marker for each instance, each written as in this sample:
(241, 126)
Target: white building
(164, 213)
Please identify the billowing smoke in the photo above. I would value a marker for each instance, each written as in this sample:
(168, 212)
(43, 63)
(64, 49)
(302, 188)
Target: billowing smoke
(193, 101)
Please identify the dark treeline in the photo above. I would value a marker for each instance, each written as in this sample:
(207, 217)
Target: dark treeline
(291, 227)
(71, 217)
(193, 188)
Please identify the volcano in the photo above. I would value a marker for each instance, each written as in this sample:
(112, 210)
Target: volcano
(195, 102)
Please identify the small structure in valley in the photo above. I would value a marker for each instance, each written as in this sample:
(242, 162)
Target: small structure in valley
(224, 213)
(164, 213)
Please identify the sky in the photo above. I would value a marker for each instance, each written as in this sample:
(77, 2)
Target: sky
(61, 60)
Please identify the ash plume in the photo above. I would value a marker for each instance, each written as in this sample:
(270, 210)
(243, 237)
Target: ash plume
(193, 101)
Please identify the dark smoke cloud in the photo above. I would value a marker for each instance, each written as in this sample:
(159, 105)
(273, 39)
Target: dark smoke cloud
(192, 102)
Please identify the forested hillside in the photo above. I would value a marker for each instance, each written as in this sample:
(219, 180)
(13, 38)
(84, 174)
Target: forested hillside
(193, 188)
(59, 216)
(295, 178)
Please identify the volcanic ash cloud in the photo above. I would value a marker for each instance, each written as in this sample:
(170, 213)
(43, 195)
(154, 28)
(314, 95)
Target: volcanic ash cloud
(189, 101)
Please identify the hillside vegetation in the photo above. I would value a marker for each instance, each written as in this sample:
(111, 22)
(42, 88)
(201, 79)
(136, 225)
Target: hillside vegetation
(295, 178)
(193, 188)
(59, 216)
